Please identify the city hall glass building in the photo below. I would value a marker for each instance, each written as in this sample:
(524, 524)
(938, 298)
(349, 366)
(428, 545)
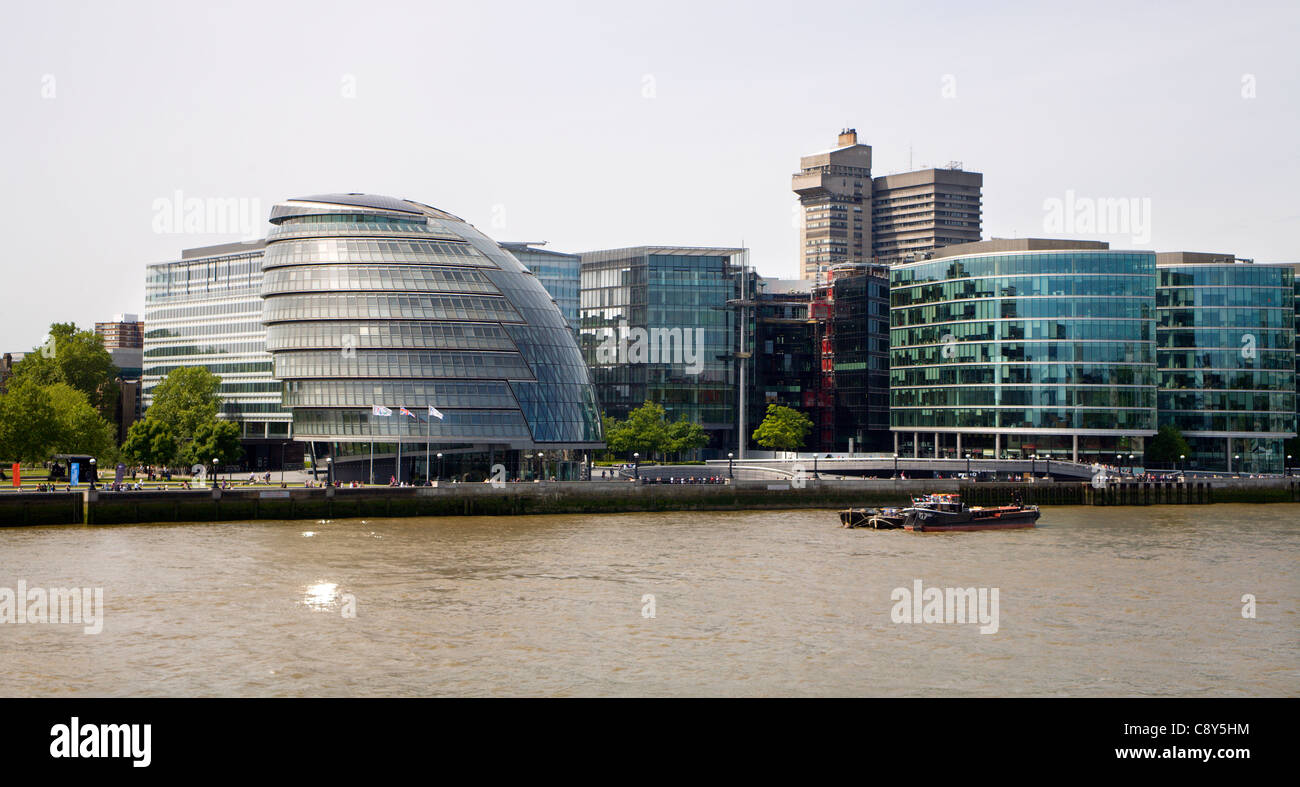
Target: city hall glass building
(379, 302)
(1225, 339)
(1024, 348)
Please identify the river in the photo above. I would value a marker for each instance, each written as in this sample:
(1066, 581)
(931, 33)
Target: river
(1093, 602)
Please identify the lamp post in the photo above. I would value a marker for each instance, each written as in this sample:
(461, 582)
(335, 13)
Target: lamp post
(1236, 462)
(1182, 466)
(731, 470)
(1033, 465)
(636, 465)
(968, 464)
(214, 472)
(1287, 467)
(440, 467)
(1119, 460)
(329, 471)
(1048, 458)
(1132, 466)
(92, 472)
(895, 466)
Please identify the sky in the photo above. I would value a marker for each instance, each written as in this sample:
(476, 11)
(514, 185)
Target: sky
(595, 125)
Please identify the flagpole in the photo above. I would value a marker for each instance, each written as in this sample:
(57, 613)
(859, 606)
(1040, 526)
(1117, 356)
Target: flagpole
(428, 435)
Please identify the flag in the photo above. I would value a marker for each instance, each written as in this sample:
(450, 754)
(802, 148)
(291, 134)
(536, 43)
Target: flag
(404, 411)
(433, 411)
(381, 410)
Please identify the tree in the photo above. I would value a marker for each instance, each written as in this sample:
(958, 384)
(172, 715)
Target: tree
(1167, 446)
(151, 442)
(783, 429)
(684, 437)
(186, 399)
(214, 440)
(644, 432)
(79, 429)
(28, 424)
(77, 358)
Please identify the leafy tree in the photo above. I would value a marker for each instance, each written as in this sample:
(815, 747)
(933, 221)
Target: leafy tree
(644, 432)
(214, 440)
(151, 442)
(79, 360)
(783, 429)
(29, 426)
(1167, 446)
(79, 428)
(184, 400)
(684, 437)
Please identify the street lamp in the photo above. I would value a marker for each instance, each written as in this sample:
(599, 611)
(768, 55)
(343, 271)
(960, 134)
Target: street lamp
(329, 471)
(1236, 461)
(731, 468)
(636, 465)
(895, 466)
(1182, 468)
(1287, 467)
(440, 467)
(1048, 459)
(92, 472)
(1033, 464)
(968, 464)
(214, 472)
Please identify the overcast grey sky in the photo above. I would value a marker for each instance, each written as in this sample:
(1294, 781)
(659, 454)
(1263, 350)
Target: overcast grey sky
(603, 124)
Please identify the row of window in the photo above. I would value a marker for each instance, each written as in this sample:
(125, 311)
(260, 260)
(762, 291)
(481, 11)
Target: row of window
(1022, 286)
(421, 252)
(1033, 330)
(1094, 352)
(1218, 401)
(1226, 276)
(343, 335)
(1026, 264)
(376, 277)
(331, 306)
(1243, 358)
(1018, 396)
(1029, 374)
(1252, 297)
(1025, 308)
(1237, 338)
(1223, 318)
(414, 395)
(401, 365)
(1024, 418)
(467, 425)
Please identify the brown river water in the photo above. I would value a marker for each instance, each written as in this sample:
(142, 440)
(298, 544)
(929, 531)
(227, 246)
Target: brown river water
(1093, 602)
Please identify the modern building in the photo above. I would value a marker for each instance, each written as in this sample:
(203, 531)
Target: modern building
(915, 213)
(785, 362)
(205, 309)
(124, 331)
(834, 188)
(377, 309)
(656, 326)
(558, 272)
(1226, 350)
(1021, 348)
(860, 294)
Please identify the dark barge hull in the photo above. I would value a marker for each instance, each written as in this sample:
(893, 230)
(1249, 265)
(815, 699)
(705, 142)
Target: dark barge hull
(933, 522)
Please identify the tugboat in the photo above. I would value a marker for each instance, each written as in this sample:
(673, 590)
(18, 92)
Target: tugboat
(947, 512)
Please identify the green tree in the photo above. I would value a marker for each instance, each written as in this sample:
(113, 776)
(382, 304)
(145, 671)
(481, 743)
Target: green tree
(29, 425)
(1167, 446)
(77, 358)
(184, 400)
(783, 429)
(79, 428)
(684, 436)
(151, 442)
(645, 432)
(214, 440)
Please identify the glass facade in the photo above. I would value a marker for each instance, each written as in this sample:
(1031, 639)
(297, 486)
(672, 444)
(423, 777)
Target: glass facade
(206, 310)
(861, 359)
(1225, 337)
(363, 310)
(558, 273)
(1024, 353)
(655, 327)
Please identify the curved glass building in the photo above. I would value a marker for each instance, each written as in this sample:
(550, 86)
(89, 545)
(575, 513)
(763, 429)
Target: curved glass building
(1226, 349)
(373, 302)
(1036, 351)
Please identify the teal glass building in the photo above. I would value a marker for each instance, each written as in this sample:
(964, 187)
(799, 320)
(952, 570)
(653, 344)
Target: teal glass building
(1227, 358)
(1046, 352)
(557, 272)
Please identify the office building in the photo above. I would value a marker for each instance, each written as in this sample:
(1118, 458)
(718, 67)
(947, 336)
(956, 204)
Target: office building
(656, 326)
(834, 188)
(860, 340)
(375, 304)
(915, 213)
(558, 272)
(1225, 338)
(1020, 348)
(205, 309)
